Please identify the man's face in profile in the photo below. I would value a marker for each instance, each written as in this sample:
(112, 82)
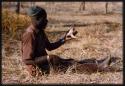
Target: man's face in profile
(40, 21)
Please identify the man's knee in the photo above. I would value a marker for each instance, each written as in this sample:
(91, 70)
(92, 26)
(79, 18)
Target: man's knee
(54, 59)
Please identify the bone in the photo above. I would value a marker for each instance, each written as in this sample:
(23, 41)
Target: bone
(71, 32)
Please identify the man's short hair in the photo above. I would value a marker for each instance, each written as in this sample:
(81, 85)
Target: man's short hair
(36, 11)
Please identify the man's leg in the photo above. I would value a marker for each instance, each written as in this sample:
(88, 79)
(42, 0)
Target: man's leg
(91, 66)
(43, 64)
(33, 66)
(52, 62)
(60, 64)
(103, 64)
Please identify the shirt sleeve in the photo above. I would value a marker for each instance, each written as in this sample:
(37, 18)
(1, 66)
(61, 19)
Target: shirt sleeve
(28, 45)
(55, 45)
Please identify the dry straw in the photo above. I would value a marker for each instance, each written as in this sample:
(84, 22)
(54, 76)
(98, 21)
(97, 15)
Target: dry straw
(12, 22)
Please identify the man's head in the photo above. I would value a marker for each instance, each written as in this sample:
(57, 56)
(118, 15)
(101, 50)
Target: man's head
(38, 16)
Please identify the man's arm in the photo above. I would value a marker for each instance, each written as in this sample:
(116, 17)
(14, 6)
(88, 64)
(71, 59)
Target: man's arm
(38, 60)
(55, 45)
(68, 36)
(28, 45)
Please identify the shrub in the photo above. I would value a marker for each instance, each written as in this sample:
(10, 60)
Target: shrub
(13, 24)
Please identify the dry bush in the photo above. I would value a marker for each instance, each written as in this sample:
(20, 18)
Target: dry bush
(12, 23)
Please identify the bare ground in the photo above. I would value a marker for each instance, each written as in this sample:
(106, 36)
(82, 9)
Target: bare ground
(100, 37)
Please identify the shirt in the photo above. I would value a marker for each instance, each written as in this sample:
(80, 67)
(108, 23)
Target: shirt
(35, 43)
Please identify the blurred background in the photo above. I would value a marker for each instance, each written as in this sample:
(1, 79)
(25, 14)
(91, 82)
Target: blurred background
(12, 22)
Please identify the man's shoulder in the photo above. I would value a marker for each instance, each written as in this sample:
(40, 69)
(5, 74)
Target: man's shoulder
(29, 29)
(29, 32)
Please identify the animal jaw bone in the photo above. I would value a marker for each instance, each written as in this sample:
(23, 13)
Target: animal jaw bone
(71, 33)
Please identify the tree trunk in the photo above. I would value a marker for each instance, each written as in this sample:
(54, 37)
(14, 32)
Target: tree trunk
(82, 6)
(18, 8)
(106, 7)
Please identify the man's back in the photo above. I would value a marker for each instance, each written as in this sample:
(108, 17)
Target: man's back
(33, 44)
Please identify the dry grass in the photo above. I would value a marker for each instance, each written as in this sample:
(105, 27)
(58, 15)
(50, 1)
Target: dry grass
(101, 36)
(12, 22)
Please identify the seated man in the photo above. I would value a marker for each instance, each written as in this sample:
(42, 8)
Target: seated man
(35, 43)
